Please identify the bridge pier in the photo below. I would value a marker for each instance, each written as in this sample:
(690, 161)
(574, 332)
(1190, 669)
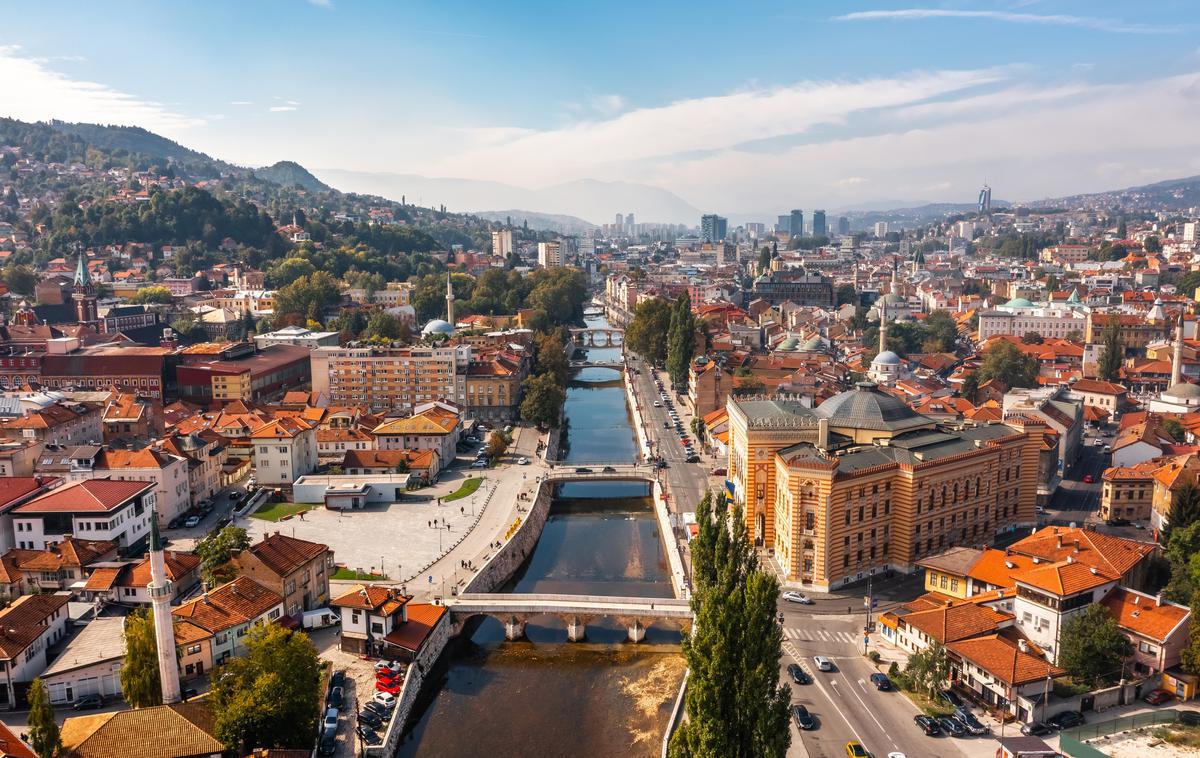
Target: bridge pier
(514, 628)
(637, 631)
(576, 629)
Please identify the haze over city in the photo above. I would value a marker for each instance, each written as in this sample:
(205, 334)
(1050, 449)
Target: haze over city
(746, 110)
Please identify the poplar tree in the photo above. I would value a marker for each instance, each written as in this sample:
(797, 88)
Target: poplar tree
(140, 682)
(44, 736)
(1113, 354)
(681, 341)
(736, 706)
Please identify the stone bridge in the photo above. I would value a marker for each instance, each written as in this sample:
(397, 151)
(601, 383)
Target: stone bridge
(597, 336)
(587, 472)
(575, 611)
(618, 365)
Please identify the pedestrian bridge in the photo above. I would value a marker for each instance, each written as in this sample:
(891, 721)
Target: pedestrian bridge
(575, 611)
(587, 472)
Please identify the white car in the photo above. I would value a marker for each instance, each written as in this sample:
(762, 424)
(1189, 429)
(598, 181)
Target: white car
(797, 597)
(481, 463)
(657, 404)
(522, 461)
(387, 700)
(896, 755)
(192, 521)
(331, 719)
(392, 666)
(823, 663)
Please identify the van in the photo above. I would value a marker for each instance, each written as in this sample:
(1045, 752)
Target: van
(320, 618)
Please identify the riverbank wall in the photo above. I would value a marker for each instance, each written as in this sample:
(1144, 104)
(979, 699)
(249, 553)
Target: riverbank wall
(517, 547)
(414, 678)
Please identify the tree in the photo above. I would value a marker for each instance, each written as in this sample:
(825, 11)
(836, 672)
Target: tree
(1152, 245)
(308, 297)
(681, 341)
(1004, 362)
(20, 279)
(1112, 356)
(847, 294)
(44, 736)
(647, 332)
(1093, 649)
(544, 398)
(552, 355)
(156, 294)
(736, 707)
(1181, 554)
(1185, 509)
(1177, 431)
(496, 445)
(271, 696)
(928, 669)
(1190, 655)
(383, 326)
(1074, 336)
(764, 259)
(141, 684)
(216, 549)
(1032, 338)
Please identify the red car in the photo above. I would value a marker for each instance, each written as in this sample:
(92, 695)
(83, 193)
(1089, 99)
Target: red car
(1088, 479)
(391, 687)
(1158, 697)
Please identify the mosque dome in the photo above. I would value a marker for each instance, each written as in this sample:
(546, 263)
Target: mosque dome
(887, 358)
(437, 326)
(814, 343)
(866, 407)
(1183, 390)
(789, 344)
(1018, 302)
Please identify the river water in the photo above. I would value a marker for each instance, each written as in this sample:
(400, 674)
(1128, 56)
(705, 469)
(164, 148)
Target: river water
(547, 697)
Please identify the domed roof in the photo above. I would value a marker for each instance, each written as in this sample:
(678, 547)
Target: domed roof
(1183, 390)
(887, 358)
(1018, 302)
(789, 344)
(866, 407)
(438, 326)
(892, 298)
(814, 343)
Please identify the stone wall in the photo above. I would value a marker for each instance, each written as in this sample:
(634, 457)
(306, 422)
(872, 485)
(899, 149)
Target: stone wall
(501, 566)
(414, 678)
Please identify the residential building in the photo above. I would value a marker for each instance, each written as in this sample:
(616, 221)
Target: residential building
(1020, 316)
(94, 509)
(1054, 407)
(502, 243)
(63, 566)
(421, 464)
(60, 423)
(27, 628)
(204, 452)
(708, 386)
(433, 426)
(15, 490)
(169, 473)
(298, 336)
(284, 450)
(713, 228)
(295, 569)
(389, 378)
(550, 254)
(213, 627)
(1157, 629)
(126, 582)
(218, 373)
(1106, 396)
(127, 420)
(493, 385)
(90, 664)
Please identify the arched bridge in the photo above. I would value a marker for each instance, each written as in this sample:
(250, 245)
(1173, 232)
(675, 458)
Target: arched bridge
(563, 472)
(618, 365)
(598, 336)
(576, 611)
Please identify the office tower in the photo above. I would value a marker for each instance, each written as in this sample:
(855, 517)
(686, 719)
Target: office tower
(818, 227)
(783, 224)
(713, 228)
(1191, 232)
(882, 228)
(796, 225)
(630, 224)
(619, 223)
(502, 243)
(843, 226)
(550, 254)
(985, 199)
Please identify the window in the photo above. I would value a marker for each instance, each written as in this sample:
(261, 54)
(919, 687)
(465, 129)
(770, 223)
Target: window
(193, 649)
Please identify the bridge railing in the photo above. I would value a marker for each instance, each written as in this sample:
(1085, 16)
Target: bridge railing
(516, 598)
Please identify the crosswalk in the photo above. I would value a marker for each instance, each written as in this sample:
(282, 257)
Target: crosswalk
(819, 635)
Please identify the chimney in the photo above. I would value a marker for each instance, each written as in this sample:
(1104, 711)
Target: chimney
(1060, 540)
(1137, 599)
(1094, 571)
(1070, 559)
(1077, 548)
(1023, 646)
(1010, 564)
(823, 434)
(1158, 600)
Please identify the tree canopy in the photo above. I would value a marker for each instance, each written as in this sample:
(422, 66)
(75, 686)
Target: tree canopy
(1093, 649)
(647, 332)
(1004, 362)
(141, 682)
(216, 549)
(681, 340)
(543, 401)
(1112, 355)
(44, 736)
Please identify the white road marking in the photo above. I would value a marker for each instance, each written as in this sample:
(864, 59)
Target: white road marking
(872, 715)
(791, 650)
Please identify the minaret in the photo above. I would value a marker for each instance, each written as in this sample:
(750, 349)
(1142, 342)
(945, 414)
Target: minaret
(882, 325)
(449, 301)
(1177, 353)
(159, 589)
(894, 267)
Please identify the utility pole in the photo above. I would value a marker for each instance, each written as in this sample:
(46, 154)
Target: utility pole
(869, 600)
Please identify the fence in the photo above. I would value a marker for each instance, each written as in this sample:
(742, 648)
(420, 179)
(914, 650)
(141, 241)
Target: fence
(1071, 740)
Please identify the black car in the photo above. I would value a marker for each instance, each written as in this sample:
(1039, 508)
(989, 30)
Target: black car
(370, 738)
(693, 458)
(87, 702)
(881, 682)
(803, 718)
(328, 745)
(952, 726)
(798, 675)
(1117, 522)
(1065, 720)
(608, 470)
(927, 725)
(335, 698)
(370, 718)
(1036, 729)
(951, 698)
(366, 732)
(188, 693)
(583, 470)
(338, 679)
(666, 425)
(378, 709)
(969, 722)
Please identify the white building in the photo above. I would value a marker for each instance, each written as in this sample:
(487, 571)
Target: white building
(1050, 596)
(502, 242)
(169, 473)
(296, 335)
(31, 625)
(90, 664)
(94, 509)
(550, 254)
(284, 450)
(1018, 316)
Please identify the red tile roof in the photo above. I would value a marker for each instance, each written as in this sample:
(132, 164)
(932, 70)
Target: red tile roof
(411, 635)
(1004, 660)
(1142, 614)
(92, 495)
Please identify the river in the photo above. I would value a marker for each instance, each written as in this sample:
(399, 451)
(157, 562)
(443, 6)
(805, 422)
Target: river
(546, 697)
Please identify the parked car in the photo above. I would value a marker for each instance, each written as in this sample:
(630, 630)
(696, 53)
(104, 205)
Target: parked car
(666, 425)
(370, 718)
(693, 458)
(952, 726)
(881, 682)
(338, 679)
(479, 463)
(803, 718)
(657, 404)
(335, 698)
(386, 699)
(927, 725)
(1036, 729)
(797, 597)
(331, 719)
(192, 521)
(87, 702)
(968, 720)
(1117, 522)
(855, 749)
(366, 734)
(823, 663)
(522, 461)
(391, 687)
(384, 712)
(951, 698)
(176, 522)
(1065, 720)
(328, 744)
(719, 471)
(1158, 697)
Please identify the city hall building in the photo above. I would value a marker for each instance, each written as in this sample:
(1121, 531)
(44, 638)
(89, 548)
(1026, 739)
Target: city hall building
(863, 484)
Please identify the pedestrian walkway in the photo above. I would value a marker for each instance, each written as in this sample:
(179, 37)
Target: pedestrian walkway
(819, 635)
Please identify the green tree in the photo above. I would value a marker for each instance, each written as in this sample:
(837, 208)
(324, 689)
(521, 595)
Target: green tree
(216, 549)
(736, 707)
(1190, 655)
(156, 294)
(764, 259)
(271, 696)
(140, 680)
(496, 445)
(1093, 649)
(1112, 356)
(308, 297)
(1177, 431)
(1185, 509)
(20, 279)
(647, 332)
(44, 736)
(1032, 338)
(1152, 245)
(681, 341)
(1004, 362)
(543, 401)
(940, 332)
(928, 669)
(552, 355)
(383, 326)
(847, 294)
(1182, 554)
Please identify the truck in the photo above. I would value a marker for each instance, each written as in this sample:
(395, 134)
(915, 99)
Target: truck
(320, 618)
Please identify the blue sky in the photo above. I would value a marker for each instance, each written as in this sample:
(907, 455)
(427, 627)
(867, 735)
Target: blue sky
(737, 107)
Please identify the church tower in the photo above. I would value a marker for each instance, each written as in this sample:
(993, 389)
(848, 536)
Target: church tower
(159, 589)
(449, 301)
(85, 294)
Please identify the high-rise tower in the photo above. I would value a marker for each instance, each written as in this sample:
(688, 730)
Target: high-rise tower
(159, 590)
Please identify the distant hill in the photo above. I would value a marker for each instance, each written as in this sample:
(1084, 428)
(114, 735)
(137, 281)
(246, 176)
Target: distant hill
(132, 139)
(290, 173)
(549, 222)
(1176, 194)
(594, 201)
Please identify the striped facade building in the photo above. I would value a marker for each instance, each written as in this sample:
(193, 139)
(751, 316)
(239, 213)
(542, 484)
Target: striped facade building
(863, 484)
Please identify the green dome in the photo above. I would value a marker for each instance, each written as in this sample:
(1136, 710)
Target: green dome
(814, 343)
(1018, 302)
(789, 344)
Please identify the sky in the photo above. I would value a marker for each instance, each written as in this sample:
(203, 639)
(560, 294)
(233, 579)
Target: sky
(747, 107)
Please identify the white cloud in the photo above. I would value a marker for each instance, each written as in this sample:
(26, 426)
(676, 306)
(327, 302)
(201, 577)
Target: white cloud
(701, 124)
(321, 3)
(282, 108)
(31, 91)
(1082, 22)
(851, 181)
(241, 102)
